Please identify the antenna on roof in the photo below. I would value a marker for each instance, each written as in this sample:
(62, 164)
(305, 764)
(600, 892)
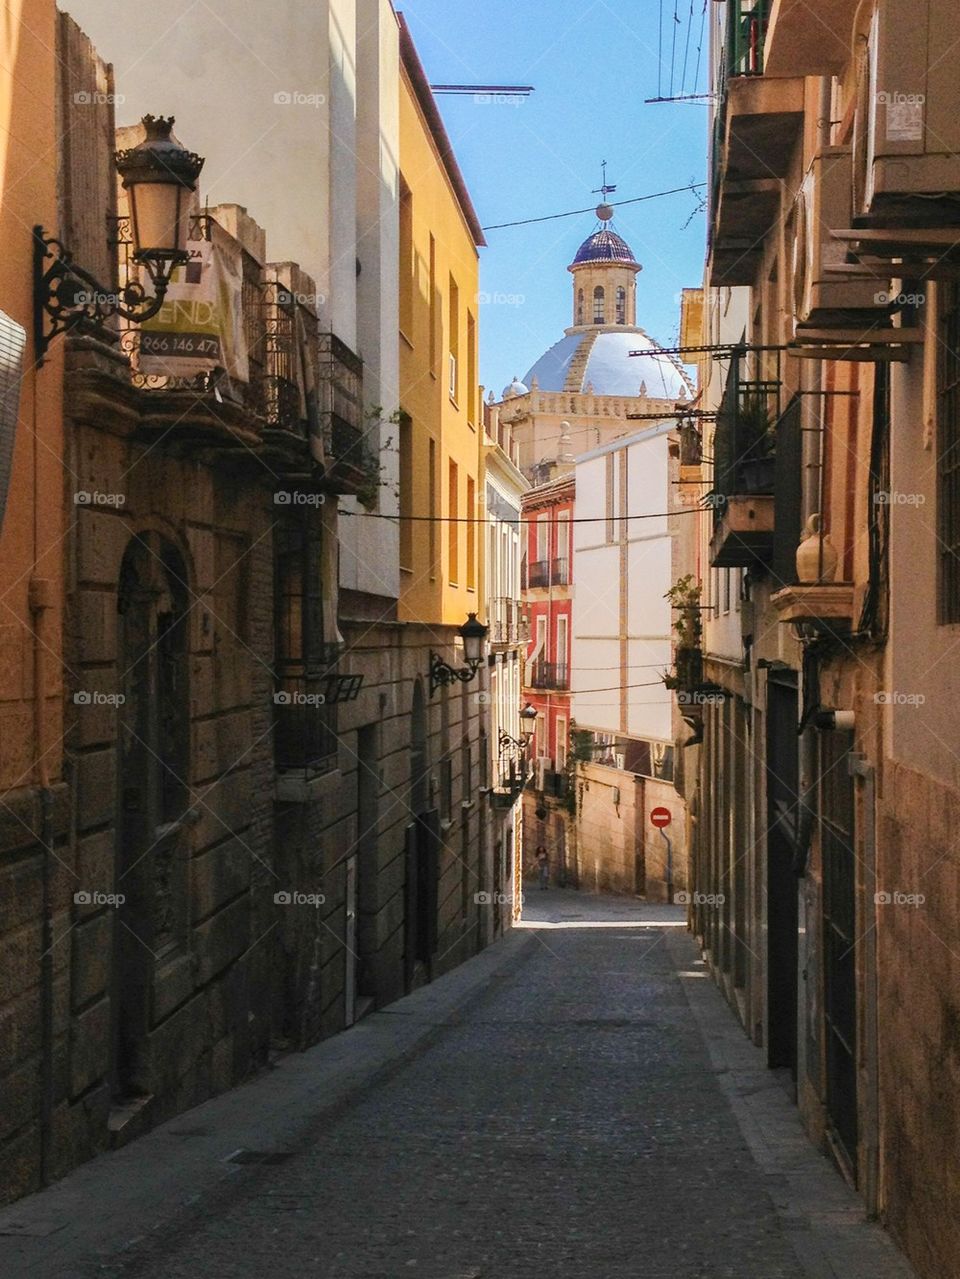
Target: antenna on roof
(605, 188)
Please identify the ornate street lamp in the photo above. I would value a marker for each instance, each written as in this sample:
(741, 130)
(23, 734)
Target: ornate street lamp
(473, 634)
(159, 176)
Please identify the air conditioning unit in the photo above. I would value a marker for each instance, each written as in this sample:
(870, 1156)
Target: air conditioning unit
(906, 126)
(822, 296)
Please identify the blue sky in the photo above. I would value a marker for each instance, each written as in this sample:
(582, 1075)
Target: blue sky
(592, 64)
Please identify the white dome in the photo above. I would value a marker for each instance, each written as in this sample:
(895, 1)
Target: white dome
(515, 388)
(605, 365)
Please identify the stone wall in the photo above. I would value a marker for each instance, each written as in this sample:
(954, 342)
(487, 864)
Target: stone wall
(919, 1023)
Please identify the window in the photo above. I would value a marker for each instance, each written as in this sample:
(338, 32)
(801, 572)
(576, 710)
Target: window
(599, 306)
(406, 492)
(726, 590)
(541, 743)
(471, 534)
(543, 537)
(305, 728)
(406, 261)
(611, 528)
(621, 305)
(580, 307)
(454, 332)
(473, 390)
(948, 456)
(434, 510)
(562, 653)
(434, 316)
(453, 528)
(561, 566)
(561, 761)
(446, 789)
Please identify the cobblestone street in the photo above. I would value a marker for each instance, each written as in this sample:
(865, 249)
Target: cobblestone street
(564, 1118)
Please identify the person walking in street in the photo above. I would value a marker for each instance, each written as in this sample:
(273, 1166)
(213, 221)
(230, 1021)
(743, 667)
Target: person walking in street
(543, 866)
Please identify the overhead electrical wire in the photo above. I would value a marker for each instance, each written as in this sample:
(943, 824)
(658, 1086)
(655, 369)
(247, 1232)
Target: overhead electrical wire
(615, 204)
(479, 519)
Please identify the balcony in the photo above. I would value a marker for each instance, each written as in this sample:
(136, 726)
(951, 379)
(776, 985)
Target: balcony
(744, 451)
(550, 675)
(510, 783)
(305, 725)
(547, 573)
(796, 46)
(350, 462)
(822, 609)
(554, 784)
(758, 121)
(508, 622)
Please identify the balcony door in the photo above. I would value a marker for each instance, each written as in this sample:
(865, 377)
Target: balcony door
(152, 842)
(783, 802)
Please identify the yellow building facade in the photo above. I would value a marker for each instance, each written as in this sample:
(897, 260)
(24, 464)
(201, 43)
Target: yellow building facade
(36, 877)
(441, 431)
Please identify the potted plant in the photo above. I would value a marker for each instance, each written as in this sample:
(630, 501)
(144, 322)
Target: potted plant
(756, 444)
(685, 596)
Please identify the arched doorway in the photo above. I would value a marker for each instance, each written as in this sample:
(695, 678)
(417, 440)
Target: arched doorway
(153, 793)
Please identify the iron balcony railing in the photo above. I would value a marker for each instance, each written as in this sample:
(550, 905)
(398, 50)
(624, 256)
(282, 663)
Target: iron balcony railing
(549, 572)
(554, 675)
(305, 723)
(508, 623)
(744, 443)
(746, 31)
(554, 784)
(747, 22)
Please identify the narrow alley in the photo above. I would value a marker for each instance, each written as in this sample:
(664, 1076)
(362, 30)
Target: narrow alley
(577, 1101)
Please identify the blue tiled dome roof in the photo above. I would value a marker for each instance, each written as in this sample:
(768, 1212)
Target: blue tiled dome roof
(605, 246)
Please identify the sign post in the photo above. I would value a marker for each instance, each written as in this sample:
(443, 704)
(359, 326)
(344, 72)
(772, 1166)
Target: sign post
(661, 818)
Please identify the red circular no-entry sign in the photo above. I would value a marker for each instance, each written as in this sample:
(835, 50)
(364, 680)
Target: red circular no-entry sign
(661, 817)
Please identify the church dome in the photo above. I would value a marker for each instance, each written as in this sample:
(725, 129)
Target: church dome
(600, 360)
(605, 246)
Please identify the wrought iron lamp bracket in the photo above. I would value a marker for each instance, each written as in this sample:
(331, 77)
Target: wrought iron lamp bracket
(66, 296)
(442, 674)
